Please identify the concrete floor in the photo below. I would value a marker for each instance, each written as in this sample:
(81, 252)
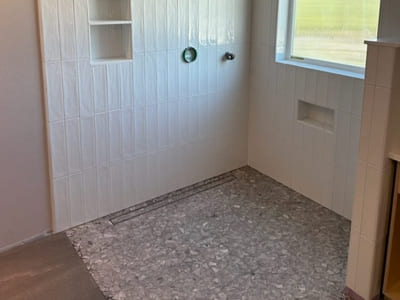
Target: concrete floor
(239, 236)
(48, 269)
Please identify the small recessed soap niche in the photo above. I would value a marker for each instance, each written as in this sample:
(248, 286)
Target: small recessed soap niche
(316, 116)
(110, 31)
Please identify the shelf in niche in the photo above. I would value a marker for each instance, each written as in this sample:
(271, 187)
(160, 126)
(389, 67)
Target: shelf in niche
(110, 10)
(110, 43)
(110, 31)
(316, 116)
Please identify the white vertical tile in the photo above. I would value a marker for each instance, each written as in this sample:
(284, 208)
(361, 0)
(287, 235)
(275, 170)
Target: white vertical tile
(129, 198)
(161, 24)
(150, 35)
(115, 134)
(173, 123)
(172, 24)
(183, 117)
(333, 96)
(73, 146)
(85, 75)
(151, 78)
(113, 87)
(151, 129)
(300, 89)
(140, 130)
(353, 259)
(204, 127)
(90, 196)
(385, 68)
(358, 94)
(100, 88)
(371, 204)
(311, 86)
(222, 34)
(104, 190)
(128, 146)
(172, 76)
(342, 146)
(141, 183)
(162, 76)
(368, 104)
(58, 149)
(102, 139)
(183, 80)
(212, 69)
(212, 25)
(82, 28)
(203, 22)
(162, 117)
(183, 24)
(194, 23)
(194, 79)
(54, 92)
(380, 118)
(372, 64)
(139, 91)
(203, 71)
(76, 200)
(51, 37)
(62, 208)
(126, 81)
(194, 119)
(88, 142)
(70, 88)
(346, 94)
(152, 176)
(138, 25)
(67, 29)
(322, 89)
(117, 190)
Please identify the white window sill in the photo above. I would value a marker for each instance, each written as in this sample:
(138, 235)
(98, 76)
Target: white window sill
(321, 68)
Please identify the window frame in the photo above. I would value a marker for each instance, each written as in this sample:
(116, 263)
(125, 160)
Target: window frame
(285, 39)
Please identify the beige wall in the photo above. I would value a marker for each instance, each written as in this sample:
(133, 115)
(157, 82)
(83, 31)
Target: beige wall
(24, 188)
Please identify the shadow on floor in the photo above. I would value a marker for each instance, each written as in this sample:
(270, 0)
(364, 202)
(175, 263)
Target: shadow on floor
(46, 269)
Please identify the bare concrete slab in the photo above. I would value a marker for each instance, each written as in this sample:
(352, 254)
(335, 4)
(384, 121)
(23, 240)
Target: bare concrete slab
(46, 269)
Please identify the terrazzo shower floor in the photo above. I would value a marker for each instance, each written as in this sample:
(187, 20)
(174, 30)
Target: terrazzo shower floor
(246, 238)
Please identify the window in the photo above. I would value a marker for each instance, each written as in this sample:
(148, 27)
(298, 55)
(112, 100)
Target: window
(331, 33)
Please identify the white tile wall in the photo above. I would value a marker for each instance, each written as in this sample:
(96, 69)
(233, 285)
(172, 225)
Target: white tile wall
(123, 133)
(318, 164)
(374, 174)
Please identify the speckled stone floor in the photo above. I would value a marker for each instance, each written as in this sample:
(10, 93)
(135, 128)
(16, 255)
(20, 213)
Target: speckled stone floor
(250, 238)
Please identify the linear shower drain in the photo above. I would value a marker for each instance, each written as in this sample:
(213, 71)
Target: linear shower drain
(170, 198)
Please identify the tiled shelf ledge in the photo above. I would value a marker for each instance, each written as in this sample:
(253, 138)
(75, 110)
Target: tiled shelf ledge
(108, 22)
(110, 60)
(394, 156)
(383, 43)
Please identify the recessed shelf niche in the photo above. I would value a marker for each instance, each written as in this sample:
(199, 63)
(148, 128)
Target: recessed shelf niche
(316, 116)
(110, 31)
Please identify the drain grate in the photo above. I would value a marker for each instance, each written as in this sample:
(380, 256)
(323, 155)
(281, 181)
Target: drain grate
(170, 198)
